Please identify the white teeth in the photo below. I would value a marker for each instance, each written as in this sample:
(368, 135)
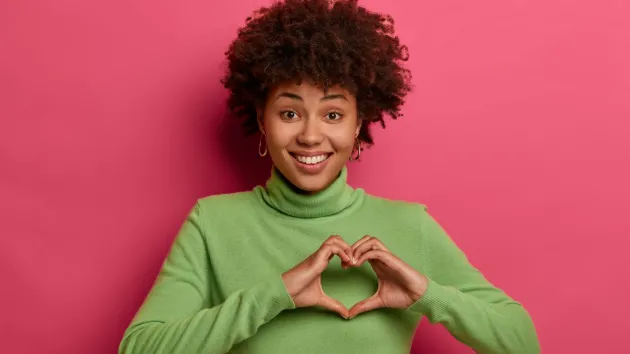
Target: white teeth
(311, 160)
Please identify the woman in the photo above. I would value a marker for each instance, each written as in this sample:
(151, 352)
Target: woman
(307, 263)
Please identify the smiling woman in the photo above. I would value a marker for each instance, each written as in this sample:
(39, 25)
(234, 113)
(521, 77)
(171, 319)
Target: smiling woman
(244, 274)
(310, 133)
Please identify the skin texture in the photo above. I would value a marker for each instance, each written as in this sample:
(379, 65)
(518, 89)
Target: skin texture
(302, 119)
(399, 285)
(305, 119)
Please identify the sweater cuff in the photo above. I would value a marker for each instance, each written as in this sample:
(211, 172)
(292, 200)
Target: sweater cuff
(435, 302)
(272, 296)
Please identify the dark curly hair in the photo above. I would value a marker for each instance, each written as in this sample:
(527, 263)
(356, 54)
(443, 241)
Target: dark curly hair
(325, 42)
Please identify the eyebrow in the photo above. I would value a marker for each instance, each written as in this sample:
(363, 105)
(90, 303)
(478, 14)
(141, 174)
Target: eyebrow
(299, 98)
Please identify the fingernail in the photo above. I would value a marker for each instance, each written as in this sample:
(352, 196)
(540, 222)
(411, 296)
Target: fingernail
(354, 261)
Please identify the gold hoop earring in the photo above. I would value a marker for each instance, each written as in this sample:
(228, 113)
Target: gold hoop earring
(263, 153)
(357, 148)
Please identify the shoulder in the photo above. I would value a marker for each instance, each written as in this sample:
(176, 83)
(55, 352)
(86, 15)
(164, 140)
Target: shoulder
(394, 207)
(226, 199)
(405, 214)
(227, 203)
(415, 214)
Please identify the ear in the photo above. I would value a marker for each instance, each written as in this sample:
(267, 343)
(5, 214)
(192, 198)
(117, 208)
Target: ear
(259, 119)
(356, 132)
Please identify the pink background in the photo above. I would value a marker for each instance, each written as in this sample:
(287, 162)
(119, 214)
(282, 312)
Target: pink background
(112, 124)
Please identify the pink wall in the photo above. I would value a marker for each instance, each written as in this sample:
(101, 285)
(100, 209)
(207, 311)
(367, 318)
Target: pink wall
(111, 126)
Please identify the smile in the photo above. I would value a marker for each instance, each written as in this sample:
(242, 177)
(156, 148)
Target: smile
(311, 160)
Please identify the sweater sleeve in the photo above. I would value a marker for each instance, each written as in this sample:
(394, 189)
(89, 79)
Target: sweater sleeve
(177, 316)
(459, 297)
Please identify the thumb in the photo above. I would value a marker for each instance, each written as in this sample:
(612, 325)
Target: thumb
(369, 304)
(333, 305)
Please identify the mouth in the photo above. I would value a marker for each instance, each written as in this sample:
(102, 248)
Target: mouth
(311, 160)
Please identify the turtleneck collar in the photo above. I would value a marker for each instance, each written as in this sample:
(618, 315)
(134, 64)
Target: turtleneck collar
(281, 195)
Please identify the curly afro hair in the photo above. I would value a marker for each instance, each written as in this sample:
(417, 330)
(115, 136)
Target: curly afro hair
(325, 42)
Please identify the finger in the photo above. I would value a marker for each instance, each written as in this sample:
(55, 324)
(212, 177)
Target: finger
(357, 244)
(383, 256)
(361, 241)
(339, 241)
(369, 304)
(371, 244)
(328, 250)
(333, 305)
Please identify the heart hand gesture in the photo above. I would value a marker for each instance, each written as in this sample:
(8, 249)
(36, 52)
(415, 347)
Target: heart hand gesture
(399, 285)
(304, 281)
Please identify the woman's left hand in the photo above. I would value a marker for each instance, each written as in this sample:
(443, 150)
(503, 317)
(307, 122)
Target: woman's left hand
(399, 285)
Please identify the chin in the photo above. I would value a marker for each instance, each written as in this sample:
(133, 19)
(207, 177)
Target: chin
(311, 184)
(311, 178)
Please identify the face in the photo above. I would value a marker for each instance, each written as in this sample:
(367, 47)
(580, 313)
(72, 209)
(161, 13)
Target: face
(310, 133)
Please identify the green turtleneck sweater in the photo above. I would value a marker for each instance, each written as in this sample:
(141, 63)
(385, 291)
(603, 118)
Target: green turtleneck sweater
(220, 289)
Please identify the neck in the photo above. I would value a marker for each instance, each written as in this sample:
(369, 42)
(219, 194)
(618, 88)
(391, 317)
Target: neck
(298, 190)
(285, 197)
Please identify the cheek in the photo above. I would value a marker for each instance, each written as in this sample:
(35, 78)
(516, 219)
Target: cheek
(275, 142)
(343, 142)
(278, 136)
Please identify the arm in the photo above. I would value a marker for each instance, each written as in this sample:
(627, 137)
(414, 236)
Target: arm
(460, 298)
(177, 316)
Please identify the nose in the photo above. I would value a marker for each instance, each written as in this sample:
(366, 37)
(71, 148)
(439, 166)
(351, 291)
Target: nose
(311, 133)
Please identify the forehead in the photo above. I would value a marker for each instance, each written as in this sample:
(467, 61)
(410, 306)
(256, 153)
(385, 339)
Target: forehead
(308, 90)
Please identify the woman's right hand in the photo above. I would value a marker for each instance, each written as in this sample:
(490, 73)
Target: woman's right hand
(304, 282)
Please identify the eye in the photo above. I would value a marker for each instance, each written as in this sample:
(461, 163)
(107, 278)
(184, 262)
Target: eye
(288, 115)
(334, 116)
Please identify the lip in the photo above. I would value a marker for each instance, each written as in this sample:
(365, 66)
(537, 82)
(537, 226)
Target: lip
(310, 153)
(310, 169)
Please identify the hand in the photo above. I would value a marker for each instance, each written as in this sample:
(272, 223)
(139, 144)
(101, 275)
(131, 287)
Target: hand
(304, 281)
(399, 285)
